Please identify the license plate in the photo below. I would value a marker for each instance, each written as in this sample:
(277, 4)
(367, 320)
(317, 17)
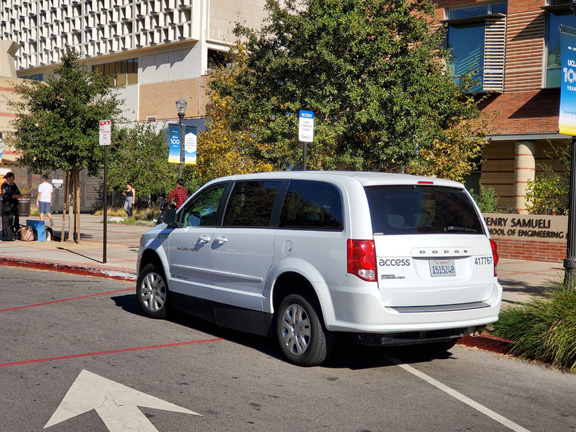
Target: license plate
(442, 268)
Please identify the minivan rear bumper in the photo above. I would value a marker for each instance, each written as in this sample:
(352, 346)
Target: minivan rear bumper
(359, 310)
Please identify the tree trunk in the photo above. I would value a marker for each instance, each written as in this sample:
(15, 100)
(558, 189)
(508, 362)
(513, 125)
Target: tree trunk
(64, 207)
(78, 203)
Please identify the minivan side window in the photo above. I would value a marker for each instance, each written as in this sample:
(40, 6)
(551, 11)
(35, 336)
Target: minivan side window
(251, 204)
(422, 210)
(203, 208)
(312, 205)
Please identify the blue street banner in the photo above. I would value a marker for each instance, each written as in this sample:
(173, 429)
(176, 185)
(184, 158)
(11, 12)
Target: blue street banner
(174, 140)
(567, 118)
(190, 144)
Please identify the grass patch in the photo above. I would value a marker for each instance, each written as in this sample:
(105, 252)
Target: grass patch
(544, 329)
(139, 216)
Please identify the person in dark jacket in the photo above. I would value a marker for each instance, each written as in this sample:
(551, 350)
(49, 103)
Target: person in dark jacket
(10, 219)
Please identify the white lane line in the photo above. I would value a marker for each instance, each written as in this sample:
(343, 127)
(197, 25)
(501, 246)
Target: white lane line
(481, 408)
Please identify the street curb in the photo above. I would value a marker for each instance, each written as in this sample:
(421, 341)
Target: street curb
(69, 268)
(488, 343)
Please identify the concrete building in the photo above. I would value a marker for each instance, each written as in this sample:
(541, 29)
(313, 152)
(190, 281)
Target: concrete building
(159, 50)
(514, 50)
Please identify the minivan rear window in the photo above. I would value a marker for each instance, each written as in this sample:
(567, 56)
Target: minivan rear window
(422, 210)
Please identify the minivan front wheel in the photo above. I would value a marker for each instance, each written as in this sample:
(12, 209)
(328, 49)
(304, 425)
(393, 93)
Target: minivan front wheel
(152, 291)
(301, 335)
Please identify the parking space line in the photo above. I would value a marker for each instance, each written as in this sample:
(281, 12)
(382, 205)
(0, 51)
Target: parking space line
(65, 300)
(72, 356)
(465, 399)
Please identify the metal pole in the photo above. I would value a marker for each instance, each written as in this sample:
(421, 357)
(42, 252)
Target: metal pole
(570, 260)
(182, 137)
(304, 155)
(105, 204)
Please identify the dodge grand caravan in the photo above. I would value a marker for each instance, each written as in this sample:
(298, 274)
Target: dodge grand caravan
(385, 259)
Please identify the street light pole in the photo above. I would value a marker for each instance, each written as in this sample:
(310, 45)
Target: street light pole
(181, 107)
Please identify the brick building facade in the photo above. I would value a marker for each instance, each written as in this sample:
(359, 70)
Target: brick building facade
(527, 98)
(518, 43)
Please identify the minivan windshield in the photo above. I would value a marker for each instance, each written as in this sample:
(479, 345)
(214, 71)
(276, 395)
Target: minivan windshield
(422, 210)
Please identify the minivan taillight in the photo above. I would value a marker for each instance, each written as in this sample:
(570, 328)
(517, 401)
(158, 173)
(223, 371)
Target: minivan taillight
(362, 259)
(495, 256)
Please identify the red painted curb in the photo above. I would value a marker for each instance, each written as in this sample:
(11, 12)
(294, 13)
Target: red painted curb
(69, 268)
(488, 343)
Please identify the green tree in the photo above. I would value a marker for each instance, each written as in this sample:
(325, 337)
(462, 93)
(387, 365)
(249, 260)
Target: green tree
(549, 192)
(372, 73)
(57, 124)
(141, 158)
(222, 150)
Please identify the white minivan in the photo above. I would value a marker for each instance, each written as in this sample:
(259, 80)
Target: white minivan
(304, 256)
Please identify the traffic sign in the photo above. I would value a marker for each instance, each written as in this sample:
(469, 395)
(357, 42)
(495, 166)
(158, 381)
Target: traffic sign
(105, 132)
(306, 126)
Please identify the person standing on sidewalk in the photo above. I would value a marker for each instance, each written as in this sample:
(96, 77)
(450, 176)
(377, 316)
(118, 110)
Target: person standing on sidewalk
(44, 200)
(178, 195)
(130, 195)
(10, 219)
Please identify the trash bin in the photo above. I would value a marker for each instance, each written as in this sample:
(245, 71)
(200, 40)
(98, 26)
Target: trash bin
(24, 206)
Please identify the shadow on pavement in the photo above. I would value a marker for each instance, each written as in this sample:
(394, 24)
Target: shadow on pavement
(346, 355)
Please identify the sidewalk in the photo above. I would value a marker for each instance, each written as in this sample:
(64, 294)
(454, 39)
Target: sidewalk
(520, 279)
(87, 257)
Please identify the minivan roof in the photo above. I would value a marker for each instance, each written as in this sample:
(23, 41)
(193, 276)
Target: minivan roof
(365, 178)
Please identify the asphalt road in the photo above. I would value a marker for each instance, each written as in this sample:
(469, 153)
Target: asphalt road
(77, 355)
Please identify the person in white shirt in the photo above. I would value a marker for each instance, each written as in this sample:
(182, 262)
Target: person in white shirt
(44, 200)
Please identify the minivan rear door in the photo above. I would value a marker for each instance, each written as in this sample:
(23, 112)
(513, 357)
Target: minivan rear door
(431, 246)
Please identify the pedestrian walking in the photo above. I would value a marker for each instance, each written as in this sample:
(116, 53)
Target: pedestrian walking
(178, 195)
(130, 195)
(10, 218)
(44, 200)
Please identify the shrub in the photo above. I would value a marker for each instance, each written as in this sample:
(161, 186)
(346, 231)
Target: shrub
(543, 329)
(487, 200)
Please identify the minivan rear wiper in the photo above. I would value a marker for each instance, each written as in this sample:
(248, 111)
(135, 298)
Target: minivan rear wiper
(459, 228)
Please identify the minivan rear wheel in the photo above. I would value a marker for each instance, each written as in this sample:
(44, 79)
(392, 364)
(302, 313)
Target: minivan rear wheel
(152, 291)
(302, 337)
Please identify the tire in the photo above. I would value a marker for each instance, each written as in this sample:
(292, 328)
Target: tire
(152, 291)
(301, 335)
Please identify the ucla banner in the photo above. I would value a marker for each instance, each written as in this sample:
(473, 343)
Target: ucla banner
(567, 118)
(190, 144)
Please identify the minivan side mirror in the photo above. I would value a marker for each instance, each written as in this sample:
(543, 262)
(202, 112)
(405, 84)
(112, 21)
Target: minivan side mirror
(170, 218)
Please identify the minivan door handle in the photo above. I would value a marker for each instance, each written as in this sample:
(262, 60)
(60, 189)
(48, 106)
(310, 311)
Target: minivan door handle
(204, 238)
(220, 239)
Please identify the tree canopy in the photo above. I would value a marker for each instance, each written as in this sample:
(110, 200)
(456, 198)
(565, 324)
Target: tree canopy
(57, 123)
(141, 158)
(372, 72)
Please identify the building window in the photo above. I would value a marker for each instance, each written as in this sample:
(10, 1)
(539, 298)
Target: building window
(39, 77)
(123, 72)
(556, 16)
(476, 39)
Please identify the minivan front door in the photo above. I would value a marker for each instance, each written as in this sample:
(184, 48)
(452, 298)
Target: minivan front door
(190, 245)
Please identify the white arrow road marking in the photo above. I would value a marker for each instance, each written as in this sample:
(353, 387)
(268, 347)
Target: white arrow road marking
(116, 404)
